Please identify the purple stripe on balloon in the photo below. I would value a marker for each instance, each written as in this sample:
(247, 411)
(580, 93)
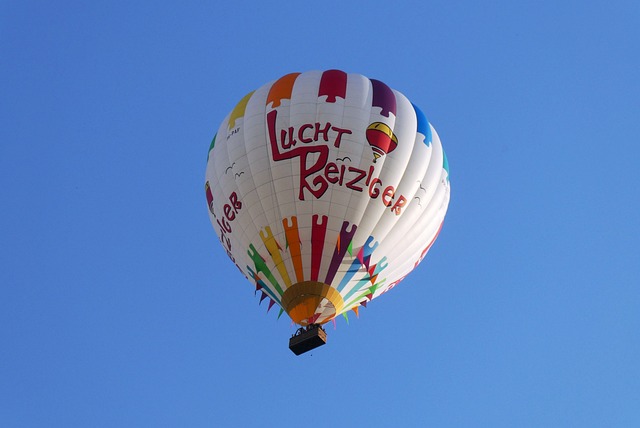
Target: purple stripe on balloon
(384, 98)
(341, 249)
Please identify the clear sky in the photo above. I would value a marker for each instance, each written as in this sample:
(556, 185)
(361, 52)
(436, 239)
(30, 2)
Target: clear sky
(119, 308)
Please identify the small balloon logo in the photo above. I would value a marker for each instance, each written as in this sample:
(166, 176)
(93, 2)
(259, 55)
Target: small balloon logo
(381, 139)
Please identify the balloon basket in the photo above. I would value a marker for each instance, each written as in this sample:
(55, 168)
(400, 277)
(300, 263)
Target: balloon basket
(306, 339)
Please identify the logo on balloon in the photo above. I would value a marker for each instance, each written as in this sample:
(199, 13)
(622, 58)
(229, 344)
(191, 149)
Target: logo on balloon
(381, 139)
(309, 145)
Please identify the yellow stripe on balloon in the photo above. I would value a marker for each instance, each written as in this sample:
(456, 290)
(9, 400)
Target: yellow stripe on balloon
(238, 110)
(274, 251)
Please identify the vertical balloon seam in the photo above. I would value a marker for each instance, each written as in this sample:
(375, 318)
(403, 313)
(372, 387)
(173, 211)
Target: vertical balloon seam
(296, 252)
(430, 225)
(344, 277)
(293, 261)
(355, 266)
(219, 185)
(353, 203)
(381, 236)
(370, 201)
(281, 90)
(383, 98)
(402, 270)
(319, 223)
(420, 123)
(401, 222)
(333, 85)
(273, 285)
(238, 113)
(430, 179)
(423, 223)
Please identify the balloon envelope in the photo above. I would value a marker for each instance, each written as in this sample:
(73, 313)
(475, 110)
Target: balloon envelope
(326, 189)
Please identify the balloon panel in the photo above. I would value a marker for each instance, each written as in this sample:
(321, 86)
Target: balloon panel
(326, 189)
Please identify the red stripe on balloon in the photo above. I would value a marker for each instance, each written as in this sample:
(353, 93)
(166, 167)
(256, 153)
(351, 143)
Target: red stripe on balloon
(333, 84)
(318, 231)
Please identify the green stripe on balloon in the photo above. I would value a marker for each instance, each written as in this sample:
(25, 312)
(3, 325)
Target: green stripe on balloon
(261, 267)
(213, 143)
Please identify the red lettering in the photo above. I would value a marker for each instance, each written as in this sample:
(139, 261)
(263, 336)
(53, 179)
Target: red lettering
(283, 137)
(397, 207)
(342, 168)
(329, 170)
(320, 183)
(228, 212)
(224, 226)
(387, 195)
(301, 133)
(235, 202)
(324, 131)
(373, 191)
(370, 175)
(352, 184)
(303, 153)
(340, 131)
(315, 172)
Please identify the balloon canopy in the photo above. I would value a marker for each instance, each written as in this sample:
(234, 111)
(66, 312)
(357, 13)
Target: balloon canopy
(326, 189)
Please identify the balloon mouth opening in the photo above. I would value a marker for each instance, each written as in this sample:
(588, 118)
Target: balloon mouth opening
(312, 302)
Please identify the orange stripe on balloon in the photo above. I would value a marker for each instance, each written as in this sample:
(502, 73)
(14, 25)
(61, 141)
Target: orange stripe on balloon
(293, 240)
(281, 89)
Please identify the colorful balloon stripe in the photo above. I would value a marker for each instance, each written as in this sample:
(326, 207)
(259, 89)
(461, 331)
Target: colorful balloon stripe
(238, 110)
(423, 125)
(274, 251)
(318, 232)
(293, 243)
(333, 85)
(281, 90)
(384, 98)
(347, 232)
(261, 267)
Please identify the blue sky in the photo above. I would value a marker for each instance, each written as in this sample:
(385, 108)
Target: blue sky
(118, 306)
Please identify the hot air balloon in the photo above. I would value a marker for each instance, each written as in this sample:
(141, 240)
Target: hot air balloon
(325, 189)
